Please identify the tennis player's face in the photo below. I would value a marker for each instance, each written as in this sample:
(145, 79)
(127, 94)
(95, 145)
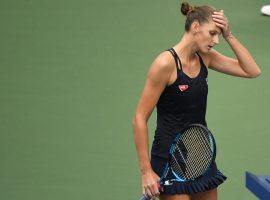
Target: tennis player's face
(207, 36)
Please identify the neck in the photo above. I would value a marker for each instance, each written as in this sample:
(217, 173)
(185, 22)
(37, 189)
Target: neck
(186, 48)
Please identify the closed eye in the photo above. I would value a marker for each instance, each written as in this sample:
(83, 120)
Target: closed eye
(214, 32)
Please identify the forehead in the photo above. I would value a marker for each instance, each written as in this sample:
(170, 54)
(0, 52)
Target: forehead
(211, 26)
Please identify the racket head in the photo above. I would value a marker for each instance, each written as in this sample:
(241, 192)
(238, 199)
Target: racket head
(192, 152)
(180, 138)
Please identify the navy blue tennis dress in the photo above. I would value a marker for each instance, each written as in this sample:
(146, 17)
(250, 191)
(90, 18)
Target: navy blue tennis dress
(180, 104)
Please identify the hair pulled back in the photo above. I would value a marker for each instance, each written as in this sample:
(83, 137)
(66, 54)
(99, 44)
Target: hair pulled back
(202, 14)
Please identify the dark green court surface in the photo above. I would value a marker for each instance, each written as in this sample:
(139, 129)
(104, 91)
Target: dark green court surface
(71, 73)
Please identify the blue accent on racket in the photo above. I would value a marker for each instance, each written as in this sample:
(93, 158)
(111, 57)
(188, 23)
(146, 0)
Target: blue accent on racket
(191, 155)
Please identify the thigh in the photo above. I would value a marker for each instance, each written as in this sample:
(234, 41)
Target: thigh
(207, 195)
(175, 197)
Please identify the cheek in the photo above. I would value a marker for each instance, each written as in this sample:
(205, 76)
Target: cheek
(206, 36)
(203, 39)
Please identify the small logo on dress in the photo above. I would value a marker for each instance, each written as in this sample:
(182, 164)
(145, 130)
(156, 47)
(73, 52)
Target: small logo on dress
(183, 87)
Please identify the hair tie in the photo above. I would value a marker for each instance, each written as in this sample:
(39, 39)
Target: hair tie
(191, 9)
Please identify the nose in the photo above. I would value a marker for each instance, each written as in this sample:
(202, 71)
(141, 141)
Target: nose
(216, 39)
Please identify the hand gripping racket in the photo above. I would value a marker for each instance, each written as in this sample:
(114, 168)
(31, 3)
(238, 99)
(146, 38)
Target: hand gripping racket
(191, 155)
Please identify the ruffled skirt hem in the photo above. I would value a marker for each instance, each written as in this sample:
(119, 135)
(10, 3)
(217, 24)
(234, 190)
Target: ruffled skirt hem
(196, 186)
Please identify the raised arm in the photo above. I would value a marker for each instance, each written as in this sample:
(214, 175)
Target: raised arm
(244, 65)
(157, 78)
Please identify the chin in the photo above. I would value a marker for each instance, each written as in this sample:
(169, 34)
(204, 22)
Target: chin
(205, 50)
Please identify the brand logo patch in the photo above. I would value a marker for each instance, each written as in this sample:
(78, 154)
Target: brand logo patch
(183, 87)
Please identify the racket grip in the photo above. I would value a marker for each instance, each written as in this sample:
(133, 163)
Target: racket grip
(145, 197)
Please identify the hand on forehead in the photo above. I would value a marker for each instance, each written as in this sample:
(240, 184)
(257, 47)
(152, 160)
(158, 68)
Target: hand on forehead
(220, 20)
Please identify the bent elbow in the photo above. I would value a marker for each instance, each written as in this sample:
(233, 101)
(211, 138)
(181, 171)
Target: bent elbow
(256, 74)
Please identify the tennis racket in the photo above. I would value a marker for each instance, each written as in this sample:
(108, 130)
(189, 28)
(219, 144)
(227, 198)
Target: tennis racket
(191, 154)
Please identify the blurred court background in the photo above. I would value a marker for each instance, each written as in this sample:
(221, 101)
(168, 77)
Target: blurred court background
(71, 73)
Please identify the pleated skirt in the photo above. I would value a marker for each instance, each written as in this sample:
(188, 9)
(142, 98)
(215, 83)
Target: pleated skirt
(210, 180)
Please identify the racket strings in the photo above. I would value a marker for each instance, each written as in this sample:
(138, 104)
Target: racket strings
(192, 154)
(202, 145)
(199, 146)
(190, 161)
(194, 161)
(205, 158)
(199, 151)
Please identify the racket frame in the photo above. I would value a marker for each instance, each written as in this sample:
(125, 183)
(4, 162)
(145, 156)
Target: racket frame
(176, 139)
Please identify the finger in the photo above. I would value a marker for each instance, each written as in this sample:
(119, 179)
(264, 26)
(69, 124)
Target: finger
(143, 190)
(156, 189)
(218, 16)
(218, 12)
(148, 193)
(159, 186)
(220, 25)
(153, 190)
(219, 21)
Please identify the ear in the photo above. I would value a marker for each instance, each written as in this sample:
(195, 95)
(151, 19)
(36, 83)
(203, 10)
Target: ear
(195, 27)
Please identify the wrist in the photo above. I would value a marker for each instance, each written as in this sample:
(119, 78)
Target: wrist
(146, 168)
(229, 37)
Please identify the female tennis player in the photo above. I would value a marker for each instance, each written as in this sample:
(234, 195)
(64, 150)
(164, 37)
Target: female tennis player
(177, 85)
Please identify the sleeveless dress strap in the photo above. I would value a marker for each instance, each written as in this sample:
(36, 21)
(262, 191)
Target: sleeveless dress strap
(177, 61)
(202, 63)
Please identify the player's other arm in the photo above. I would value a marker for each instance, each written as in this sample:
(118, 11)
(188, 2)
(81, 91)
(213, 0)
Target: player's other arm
(157, 79)
(243, 66)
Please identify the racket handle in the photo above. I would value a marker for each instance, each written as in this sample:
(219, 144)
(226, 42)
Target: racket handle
(145, 197)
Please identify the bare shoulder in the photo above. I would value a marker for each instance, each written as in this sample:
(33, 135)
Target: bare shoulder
(164, 62)
(157, 78)
(162, 67)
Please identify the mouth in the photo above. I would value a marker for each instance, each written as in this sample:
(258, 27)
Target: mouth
(210, 47)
